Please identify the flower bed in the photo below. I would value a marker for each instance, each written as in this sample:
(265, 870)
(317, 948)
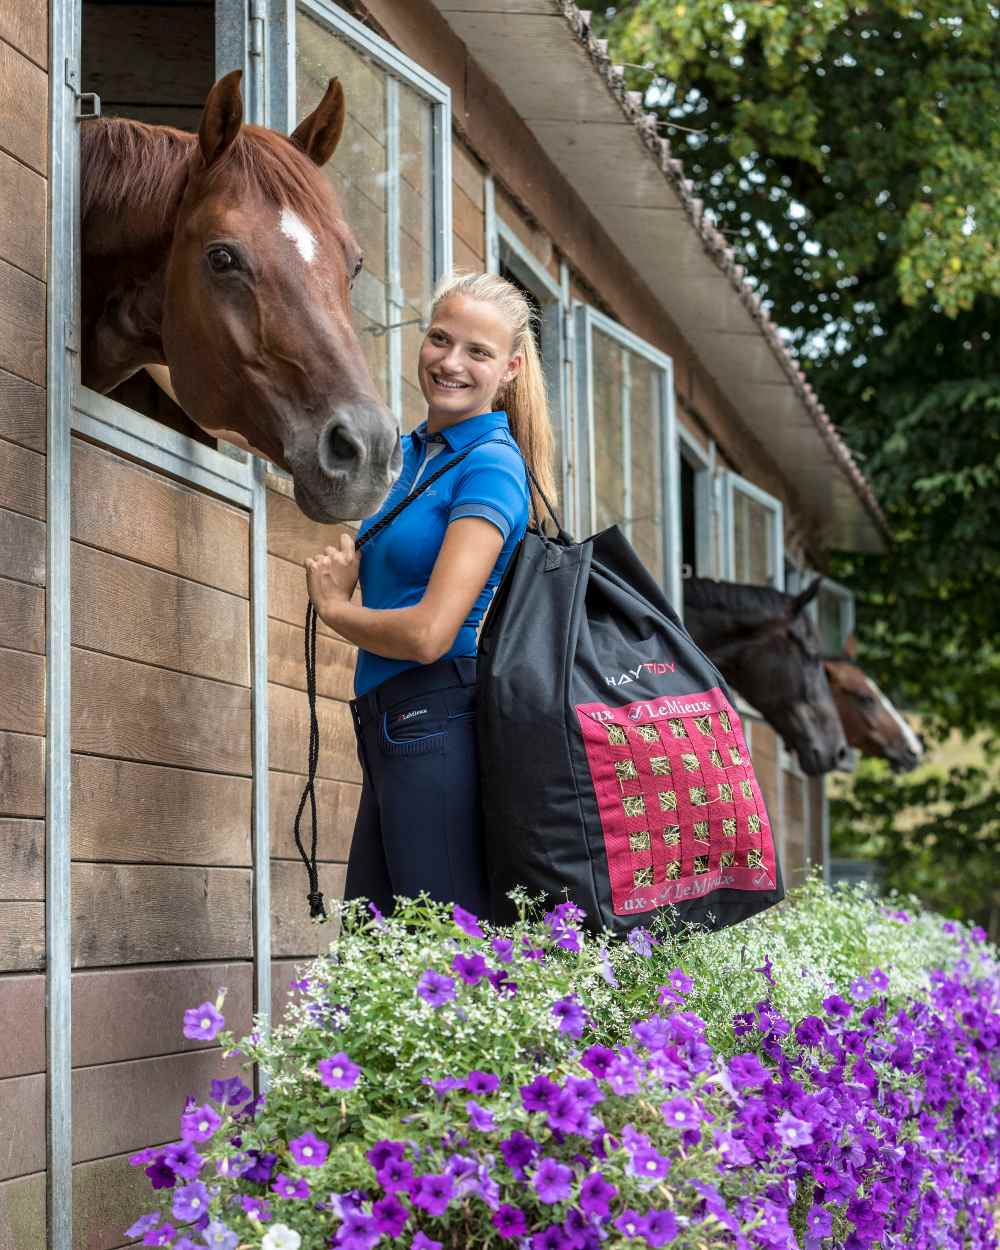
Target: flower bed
(825, 1075)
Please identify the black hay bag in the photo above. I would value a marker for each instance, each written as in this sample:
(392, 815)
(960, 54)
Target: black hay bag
(614, 767)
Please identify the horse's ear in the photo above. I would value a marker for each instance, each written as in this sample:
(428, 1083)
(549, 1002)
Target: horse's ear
(222, 117)
(806, 597)
(319, 133)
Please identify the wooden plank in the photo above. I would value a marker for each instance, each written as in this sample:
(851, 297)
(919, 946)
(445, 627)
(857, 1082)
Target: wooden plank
(22, 411)
(136, 712)
(22, 1213)
(22, 616)
(22, 775)
(22, 680)
(291, 535)
(463, 256)
(469, 220)
(22, 1049)
(286, 593)
(135, 512)
(289, 735)
(468, 174)
(121, 1014)
(22, 548)
(131, 813)
(286, 663)
(118, 1107)
(22, 1102)
(22, 318)
(22, 480)
(144, 53)
(337, 803)
(109, 1195)
(24, 109)
(22, 216)
(22, 854)
(764, 751)
(292, 932)
(126, 609)
(145, 913)
(24, 24)
(22, 937)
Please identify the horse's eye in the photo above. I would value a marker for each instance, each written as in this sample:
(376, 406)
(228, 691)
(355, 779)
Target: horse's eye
(222, 260)
(358, 266)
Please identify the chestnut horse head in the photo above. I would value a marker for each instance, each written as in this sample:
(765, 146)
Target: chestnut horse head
(871, 723)
(226, 257)
(766, 646)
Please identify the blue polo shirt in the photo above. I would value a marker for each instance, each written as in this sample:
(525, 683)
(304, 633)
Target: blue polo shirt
(396, 566)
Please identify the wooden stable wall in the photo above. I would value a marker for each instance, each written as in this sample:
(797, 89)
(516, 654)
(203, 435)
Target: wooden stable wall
(23, 173)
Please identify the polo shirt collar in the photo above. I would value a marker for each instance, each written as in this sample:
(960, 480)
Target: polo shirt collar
(465, 433)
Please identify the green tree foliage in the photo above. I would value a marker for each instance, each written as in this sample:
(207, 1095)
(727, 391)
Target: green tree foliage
(851, 153)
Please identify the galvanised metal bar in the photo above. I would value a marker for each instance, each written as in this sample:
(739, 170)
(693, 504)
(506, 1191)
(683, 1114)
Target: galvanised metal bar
(394, 286)
(62, 297)
(261, 776)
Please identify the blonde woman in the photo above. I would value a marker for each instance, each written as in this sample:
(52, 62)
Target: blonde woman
(426, 581)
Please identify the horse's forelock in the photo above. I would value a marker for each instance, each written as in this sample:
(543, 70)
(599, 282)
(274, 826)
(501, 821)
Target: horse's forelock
(745, 603)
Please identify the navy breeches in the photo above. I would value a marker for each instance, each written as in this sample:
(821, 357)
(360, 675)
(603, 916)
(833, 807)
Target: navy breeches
(418, 825)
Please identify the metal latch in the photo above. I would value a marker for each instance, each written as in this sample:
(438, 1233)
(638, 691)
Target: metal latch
(88, 103)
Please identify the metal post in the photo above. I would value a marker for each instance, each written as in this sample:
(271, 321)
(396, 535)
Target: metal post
(490, 225)
(394, 287)
(63, 286)
(261, 812)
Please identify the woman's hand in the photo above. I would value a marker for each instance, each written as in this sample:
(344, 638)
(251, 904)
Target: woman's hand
(332, 576)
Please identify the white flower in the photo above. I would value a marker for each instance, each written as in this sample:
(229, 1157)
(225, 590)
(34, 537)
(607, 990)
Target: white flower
(281, 1237)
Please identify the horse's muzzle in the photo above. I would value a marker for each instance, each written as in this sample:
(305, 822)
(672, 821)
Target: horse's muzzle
(346, 471)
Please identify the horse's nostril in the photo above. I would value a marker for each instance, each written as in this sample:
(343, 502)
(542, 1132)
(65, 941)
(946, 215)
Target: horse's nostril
(341, 451)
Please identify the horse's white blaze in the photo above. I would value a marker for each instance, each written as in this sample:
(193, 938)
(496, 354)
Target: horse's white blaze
(294, 228)
(909, 737)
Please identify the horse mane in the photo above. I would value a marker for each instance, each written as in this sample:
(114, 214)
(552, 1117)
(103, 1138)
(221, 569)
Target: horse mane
(760, 603)
(130, 162)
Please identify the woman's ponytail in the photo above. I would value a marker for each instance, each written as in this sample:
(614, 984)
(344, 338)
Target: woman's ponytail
(524, 398)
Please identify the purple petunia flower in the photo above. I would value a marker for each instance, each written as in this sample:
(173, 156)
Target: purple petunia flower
(434, 988)
(432, 1193)
(681, 1113)
(793, 1131)
(444, 1086)
(470, 968)
(819, 1221)
(467, 922)
(552, 1181)
(384, 1150)
(482, 1083)
(203, 1023)
(288, 1187)
(190, 1202)
(596, 1195)
(160, 1175)
(518, 1150)
(395, 1174)
(659, 1228)
(837, 1007)
(143, 1224)
(182, 1158)
(649, 1163)
(480, 1119)
(338, 1072)
(218, 1237)
(503, 948)
(878, 979)
(766, 970)
(540, 1095)
(260, 1168)
(257, 1208)
(509, 1221)
(185, 1243)
(309, 1150)
(860, 989)
(162, 1236)
(810, 1031)
(501, 982)
(746, 1071)
(200, 1123)
(569, 1012)
(598, 1060)
(642, 942)
(389, 1216)
(629, 1223)
(422, 1242)
(551, 1238)
(230, 1092)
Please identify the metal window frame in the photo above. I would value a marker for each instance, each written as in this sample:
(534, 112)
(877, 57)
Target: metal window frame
(504, 246)
(586, 320)
(398, 68)
(703, 463)
(731, 483)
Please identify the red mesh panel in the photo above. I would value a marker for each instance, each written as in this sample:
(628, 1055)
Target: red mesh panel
(681, 811)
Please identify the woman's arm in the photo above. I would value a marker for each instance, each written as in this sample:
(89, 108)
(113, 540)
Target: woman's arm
(427, 630)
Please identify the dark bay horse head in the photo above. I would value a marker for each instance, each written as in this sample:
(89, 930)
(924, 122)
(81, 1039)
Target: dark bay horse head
(766, 646)
(871, 723)
(226, 257)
